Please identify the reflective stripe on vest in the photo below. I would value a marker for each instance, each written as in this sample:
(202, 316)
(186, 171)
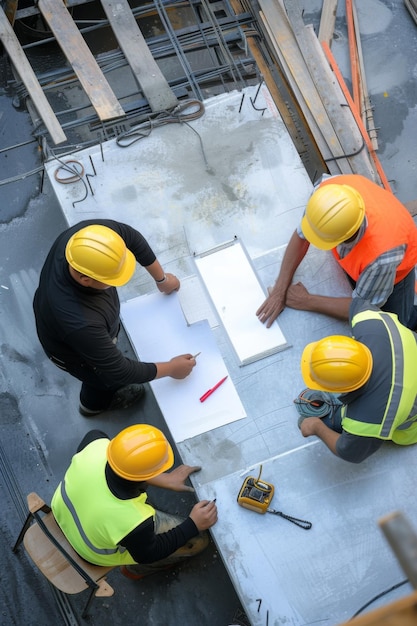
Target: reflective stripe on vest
(80, 529)
(398, 396)
(91, 517)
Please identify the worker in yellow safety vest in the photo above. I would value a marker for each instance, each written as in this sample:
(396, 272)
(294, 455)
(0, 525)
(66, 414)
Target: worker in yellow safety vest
(101, 504)
(362, 390)
(372, 237)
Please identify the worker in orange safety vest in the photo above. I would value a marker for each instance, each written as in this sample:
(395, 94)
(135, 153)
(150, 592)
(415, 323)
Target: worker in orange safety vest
(372, 237)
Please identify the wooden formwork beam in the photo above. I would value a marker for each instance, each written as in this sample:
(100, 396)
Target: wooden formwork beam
(28, 78)
(81, 59)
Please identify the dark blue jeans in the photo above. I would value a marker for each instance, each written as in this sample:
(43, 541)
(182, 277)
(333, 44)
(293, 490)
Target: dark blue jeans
(334, 419)
(401, 301)
(94, 394)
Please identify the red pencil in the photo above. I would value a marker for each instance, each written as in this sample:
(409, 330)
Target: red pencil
(210, 391)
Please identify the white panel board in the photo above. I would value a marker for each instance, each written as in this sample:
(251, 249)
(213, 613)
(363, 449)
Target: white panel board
(158, 332)
(236, 293)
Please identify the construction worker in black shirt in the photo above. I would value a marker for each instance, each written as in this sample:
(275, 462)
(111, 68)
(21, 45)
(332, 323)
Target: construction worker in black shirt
(77, 311)
(101, 504)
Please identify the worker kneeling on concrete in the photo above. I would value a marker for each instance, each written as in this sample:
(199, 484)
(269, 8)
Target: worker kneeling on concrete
(361, 390)
(101, 504)
(372, 237)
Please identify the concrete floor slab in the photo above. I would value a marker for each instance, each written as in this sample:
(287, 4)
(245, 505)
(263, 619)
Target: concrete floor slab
(40, 424)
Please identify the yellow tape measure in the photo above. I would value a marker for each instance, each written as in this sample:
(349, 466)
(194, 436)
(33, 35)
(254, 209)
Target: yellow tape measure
(255, 494)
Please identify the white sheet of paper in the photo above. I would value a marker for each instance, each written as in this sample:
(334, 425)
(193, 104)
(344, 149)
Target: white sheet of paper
(158, 331)
(195, 302)
(236, 294)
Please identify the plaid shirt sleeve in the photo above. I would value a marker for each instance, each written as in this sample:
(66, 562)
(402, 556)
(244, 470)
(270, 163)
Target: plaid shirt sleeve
(376, 282)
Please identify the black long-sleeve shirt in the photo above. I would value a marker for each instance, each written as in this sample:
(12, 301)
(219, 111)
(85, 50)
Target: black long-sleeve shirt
(77, 324)
(143, 543)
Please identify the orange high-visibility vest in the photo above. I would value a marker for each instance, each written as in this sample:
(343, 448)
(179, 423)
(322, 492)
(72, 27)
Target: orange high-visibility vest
(389, 225)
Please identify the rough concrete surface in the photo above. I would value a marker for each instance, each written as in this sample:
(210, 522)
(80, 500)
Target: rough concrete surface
(34, 456)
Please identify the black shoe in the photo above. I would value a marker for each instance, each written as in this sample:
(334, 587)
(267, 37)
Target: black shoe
(126, 396)
(88, 412)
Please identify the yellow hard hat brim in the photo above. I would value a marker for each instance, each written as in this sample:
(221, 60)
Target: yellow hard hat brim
(312, 237)
(305, 367)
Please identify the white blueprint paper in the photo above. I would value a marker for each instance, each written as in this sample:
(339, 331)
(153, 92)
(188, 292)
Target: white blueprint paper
(158, 331)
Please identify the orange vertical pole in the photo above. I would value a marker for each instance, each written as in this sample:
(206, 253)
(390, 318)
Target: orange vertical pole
(353, 55)
(356, 114)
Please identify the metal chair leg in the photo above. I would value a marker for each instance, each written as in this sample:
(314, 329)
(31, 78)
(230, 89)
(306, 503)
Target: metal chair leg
(22, 532)
(84, 614)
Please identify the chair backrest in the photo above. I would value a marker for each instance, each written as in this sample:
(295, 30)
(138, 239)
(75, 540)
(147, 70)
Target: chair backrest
(55, 566)
(54, 556)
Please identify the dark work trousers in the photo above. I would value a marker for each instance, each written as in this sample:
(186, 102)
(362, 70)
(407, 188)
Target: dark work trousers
(163, 523)
(94, 394)
(401, 300)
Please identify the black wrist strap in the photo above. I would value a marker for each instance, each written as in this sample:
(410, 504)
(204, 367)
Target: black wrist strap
(295, 520)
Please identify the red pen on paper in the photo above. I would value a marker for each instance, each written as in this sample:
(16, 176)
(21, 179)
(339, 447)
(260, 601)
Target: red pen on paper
(212, 390)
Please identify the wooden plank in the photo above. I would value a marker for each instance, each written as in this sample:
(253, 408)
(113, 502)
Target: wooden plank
(340, 118)
(412, 7)
(327, 21)
(323, 148)
(80, 57)
(144, 67)
(284, 36)
(339, 111)
(10, 8)
(28, 77)
(400, 534)
(284, 103)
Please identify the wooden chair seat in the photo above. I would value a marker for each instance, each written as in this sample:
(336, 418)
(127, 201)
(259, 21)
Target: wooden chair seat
(59, 562)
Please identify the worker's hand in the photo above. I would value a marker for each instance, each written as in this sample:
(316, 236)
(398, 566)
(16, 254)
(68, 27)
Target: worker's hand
(175, 480)
(204, 514)
(169, 285)
(271, 307)
(297, 297)
(181, 366)
(309, 425)
(178, 367)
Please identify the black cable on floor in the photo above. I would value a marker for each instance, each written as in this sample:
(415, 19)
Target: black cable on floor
(380, 595)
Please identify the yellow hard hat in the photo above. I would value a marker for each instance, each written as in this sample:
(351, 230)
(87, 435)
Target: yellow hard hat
(337, 364)
(100, 253)
(140, 452)
(333, 214)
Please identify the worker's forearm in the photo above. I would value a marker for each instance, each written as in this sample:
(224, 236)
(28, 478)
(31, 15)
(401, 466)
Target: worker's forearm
(294, 254)
(156, 271)
(163, 369)
(178, 367)
(328, 436)
(335, 307)
(162, 480)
